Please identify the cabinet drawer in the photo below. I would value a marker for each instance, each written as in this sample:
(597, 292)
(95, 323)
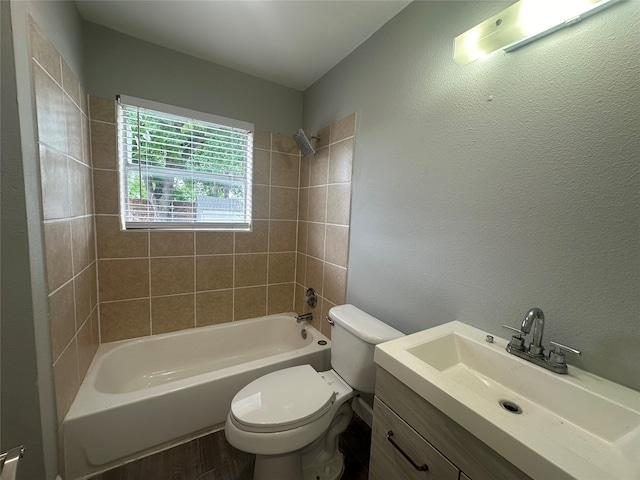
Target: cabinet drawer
(392, 456)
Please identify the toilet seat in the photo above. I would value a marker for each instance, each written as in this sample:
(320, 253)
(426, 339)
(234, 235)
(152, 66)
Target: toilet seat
(282, 400)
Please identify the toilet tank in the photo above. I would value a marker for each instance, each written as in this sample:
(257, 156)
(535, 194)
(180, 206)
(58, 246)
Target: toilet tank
(354, 336)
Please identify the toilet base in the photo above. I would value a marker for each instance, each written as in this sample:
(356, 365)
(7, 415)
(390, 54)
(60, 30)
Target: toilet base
(287, 466)
(331, 470)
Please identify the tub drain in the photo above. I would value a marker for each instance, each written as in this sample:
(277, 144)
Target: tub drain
(510, 406)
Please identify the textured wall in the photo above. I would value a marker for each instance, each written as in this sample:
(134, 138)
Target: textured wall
(513, 182)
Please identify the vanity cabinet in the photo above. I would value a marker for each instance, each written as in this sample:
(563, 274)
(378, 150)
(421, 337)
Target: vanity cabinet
(410, 434)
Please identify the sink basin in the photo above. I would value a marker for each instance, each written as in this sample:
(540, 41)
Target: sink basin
(549, 425)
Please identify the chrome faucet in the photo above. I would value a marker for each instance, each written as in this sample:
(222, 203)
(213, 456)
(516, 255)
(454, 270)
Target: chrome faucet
(535, 317)
(555, 361)
(305, 317)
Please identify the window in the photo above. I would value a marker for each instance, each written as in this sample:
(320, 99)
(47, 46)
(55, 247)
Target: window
(181, 169)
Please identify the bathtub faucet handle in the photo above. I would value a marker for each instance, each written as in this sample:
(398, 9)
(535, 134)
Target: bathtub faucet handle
(306, 317)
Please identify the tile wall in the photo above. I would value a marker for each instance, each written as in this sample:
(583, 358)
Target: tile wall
(156, 282)
(324, 215)
(67, 212)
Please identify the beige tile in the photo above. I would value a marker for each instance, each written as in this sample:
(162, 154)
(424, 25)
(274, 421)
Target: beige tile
(105, 191)
(80, 244)
(249, 302)
(102, 109)
(262, 140)
(261, 167)
(76, 181)
(325, 327)
(340, 161)
(214, 243)
(300, 304)
(305, 170)
(122, 320)
(65, 377)
(57, 238)
(255, 241)
(314, 274)
(86, 147)
(250, 270)
(284, 144)
(325, 137)
(303, 236)
(50, 111)
(54, 173)
(169, 314)
(282, 236)
(87, 347)
(280, 298)
(116, 243)
(44, 52)
(93, 278)
(214, 272)
(284, 203)
(318, 204)
(301, 268)
(123, 279)
(103, 146)
(282, 267)
(316, 240)
(335, 284)
(339, 204)
(82, 285)
(74, 129)
(214, 307)
(285, 170)
(319, 168)
(337, 245)
(88, 190)
(343, 128)
(95, 327)
(303, 204)
(172, 276)
(70, 84)
(171, 244)
(61, 319)
(260, 202)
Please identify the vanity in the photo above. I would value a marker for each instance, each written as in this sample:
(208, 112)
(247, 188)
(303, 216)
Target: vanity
(452, 404)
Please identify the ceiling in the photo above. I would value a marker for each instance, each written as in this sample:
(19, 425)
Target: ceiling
(290, 42)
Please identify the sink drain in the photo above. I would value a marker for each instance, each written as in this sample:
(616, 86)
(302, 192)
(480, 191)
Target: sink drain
(510, 406)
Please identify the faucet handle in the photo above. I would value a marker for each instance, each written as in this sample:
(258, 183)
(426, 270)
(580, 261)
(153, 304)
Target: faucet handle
(517, 330)
(556, 354)
(516, 342)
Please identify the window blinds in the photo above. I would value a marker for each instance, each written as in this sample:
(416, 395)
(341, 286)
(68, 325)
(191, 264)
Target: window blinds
(182, 169)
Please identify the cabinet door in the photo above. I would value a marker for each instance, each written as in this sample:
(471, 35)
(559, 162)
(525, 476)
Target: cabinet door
(399, 452)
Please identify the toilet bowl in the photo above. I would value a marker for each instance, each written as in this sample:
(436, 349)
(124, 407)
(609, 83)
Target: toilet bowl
(291, 418)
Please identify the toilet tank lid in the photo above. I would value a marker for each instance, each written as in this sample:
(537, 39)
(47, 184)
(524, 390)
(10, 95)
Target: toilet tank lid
(360, 323)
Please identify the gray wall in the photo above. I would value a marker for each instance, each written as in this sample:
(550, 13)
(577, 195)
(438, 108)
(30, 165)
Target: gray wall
(513, 182)
(120, 64)
(28, 402)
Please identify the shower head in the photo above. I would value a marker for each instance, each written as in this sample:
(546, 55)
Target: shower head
(303, 143)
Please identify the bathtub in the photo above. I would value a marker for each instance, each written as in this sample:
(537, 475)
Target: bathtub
(144, 395)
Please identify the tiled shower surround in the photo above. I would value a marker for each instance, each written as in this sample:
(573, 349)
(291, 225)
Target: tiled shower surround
(105, 284)
(154, 282)
(67, 209)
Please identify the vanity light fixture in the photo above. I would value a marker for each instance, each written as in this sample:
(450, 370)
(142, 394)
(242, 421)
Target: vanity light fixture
(521, 23)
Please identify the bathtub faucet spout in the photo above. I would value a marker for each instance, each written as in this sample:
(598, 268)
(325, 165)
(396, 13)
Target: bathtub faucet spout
(307, 317)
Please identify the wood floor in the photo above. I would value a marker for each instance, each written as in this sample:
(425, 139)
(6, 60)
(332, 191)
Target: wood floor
(212, 458)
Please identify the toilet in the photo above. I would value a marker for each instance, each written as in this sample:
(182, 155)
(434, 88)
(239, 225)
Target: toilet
(290, 419)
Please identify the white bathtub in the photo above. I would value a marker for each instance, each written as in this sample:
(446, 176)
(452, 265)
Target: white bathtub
(141, 396)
